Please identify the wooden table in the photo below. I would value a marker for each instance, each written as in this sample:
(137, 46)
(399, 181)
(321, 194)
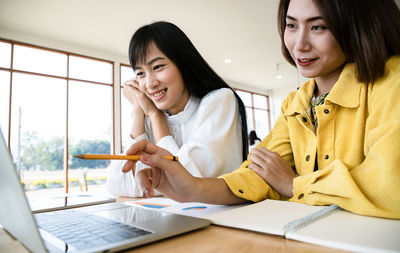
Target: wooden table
(210, 239)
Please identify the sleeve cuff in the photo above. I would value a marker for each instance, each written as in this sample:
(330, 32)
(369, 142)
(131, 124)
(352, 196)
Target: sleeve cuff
(168, 143)
(247, 184)
(300, 191)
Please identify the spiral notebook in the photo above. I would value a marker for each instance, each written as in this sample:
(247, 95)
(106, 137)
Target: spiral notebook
(328, 226)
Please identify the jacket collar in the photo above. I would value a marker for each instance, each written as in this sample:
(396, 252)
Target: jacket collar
(345, 92)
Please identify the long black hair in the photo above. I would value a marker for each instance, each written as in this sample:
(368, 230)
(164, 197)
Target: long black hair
(368, 32)
(198, 77)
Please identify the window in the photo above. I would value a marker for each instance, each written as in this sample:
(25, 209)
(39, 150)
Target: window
(54, 105)
(257, 112)
(126, 108)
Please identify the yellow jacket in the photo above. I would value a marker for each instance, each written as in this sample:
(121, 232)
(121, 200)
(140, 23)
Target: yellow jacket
(357, 146)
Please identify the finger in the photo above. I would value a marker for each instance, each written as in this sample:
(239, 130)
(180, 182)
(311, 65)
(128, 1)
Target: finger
(267, 152)
(257, 169)
(158, 161)
(144, 181)
(129, 165)
(130, 82)
(143, 146)
(259, 159)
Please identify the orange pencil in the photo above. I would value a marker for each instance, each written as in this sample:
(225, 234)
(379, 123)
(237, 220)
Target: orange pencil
(118, 157)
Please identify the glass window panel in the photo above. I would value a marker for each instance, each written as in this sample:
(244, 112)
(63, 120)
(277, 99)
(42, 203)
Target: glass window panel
(4, 102)
(261, 120)
(90, 131)
(245, 96)
(5, 55)
(126, 74)
(249, 115)
(40, 61)
(91, 70)
(260, 101)
(126, 109)
(37, 133)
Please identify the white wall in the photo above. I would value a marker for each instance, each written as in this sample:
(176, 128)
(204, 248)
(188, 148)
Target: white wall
(279, 94)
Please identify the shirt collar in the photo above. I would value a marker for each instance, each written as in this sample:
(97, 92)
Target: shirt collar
(345, 92)
(190, 108)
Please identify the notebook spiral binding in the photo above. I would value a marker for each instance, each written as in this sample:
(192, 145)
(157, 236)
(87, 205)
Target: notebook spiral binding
(306, 220)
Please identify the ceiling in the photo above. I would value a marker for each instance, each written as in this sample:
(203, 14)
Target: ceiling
(244, 31)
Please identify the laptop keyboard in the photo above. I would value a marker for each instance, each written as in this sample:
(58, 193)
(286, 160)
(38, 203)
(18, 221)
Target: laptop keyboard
(84, 230)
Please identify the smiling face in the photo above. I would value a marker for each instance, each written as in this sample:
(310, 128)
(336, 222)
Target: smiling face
(311, 44)
(161, 80)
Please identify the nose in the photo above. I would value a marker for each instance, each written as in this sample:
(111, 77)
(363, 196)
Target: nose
(151, 82)
(302, 40)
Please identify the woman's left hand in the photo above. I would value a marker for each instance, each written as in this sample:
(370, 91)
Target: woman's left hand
(273, 169)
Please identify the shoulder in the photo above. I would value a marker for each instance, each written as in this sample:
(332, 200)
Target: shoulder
(219, 93)
(297, 101)
(218, 96)
(389, 84)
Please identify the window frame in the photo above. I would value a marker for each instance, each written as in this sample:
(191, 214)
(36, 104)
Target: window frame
(253, 108)
(11, 70)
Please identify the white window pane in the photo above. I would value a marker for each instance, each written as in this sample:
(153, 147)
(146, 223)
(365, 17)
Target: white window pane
(126, 122)
(40, 61)
(126, 109)
(245, 96)
(126, 74)
(249, 115)
(90, 70)
(260, 101)
(261, 119)
(5, 55)
(4, 102)
(90, 131)
(38, 132)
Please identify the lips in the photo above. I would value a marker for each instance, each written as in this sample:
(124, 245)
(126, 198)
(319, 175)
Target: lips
(305, 61)
(158, 94)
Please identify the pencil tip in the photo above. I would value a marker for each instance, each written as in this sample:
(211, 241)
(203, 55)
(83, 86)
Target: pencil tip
(78, 156)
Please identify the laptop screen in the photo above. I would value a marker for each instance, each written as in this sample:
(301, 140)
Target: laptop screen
(15, 215)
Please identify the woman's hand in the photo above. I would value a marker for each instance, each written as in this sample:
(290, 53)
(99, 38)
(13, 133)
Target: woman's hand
(138, 97)
(131, 91)
(273, 169)
(166, 176)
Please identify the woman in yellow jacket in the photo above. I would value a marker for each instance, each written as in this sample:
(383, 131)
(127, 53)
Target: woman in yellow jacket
(337, 140)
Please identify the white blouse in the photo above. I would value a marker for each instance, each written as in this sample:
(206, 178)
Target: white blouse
(206, 137)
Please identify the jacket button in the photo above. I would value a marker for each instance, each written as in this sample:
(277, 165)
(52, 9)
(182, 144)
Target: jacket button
(241, 191)
(300, 196)
(326, 111)
(304, 119)
(308, 158)
(326, 157)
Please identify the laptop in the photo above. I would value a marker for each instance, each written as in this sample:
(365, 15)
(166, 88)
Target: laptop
(97, 228)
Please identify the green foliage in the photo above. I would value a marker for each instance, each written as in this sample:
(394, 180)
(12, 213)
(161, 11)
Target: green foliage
(89, 147)
(40, 154)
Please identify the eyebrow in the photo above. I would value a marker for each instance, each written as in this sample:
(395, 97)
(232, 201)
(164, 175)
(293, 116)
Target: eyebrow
(151, 61)
(309, 19)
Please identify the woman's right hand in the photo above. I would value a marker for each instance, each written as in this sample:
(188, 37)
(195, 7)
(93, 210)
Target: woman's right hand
(166, 176)
(138, 98)
(131, 91)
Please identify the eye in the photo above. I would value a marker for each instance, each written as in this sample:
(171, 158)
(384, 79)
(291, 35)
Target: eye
(156, 67)
(318, 28)
(139, 74)
(290, 26)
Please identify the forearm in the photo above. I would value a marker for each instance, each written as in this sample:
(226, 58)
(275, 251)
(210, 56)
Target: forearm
(213, 191)
(137, 124)
(159, 125)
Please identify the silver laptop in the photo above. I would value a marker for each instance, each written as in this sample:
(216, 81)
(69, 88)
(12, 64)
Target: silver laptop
(97, 228)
